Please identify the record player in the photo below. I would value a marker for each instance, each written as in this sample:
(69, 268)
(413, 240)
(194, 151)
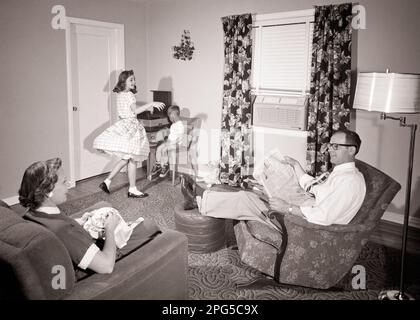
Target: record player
(158, 119)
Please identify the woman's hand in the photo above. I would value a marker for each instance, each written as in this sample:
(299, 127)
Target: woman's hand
(111, 222)
(157, 105)
(104, 261)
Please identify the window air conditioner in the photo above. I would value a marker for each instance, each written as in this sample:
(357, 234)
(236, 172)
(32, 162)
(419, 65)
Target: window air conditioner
(284, 112)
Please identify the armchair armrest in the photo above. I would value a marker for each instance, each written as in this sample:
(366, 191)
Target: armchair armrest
(292, 220)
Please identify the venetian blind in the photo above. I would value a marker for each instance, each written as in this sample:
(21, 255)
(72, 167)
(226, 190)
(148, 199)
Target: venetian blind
(282, 62)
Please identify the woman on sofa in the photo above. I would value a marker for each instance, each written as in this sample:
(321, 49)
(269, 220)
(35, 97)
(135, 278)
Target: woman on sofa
(43, 187)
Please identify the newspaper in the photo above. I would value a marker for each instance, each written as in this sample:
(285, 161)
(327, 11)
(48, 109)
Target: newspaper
(278, 179)
(94, 222)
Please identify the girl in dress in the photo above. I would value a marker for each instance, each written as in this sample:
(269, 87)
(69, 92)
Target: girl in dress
(126, 138)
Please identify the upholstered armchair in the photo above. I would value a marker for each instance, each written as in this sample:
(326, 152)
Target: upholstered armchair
(311, 255)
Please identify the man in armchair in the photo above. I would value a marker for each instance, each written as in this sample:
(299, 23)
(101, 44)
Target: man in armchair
(337, 196)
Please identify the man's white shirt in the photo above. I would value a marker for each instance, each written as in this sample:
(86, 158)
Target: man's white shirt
(338, 199)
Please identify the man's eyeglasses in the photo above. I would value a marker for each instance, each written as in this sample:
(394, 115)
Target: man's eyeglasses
(335, 145)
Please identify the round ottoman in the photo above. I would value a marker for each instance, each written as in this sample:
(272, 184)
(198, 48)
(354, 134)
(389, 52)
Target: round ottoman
(205, 234)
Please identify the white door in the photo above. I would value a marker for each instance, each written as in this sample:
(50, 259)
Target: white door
(96, 58)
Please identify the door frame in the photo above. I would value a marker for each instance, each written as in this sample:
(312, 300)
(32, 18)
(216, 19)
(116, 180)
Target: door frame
(120, 63)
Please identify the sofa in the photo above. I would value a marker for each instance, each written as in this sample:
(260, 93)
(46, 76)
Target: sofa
(310, 255)
(33, 261)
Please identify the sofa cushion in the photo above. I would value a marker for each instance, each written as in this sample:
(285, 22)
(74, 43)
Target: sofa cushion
(29, 257)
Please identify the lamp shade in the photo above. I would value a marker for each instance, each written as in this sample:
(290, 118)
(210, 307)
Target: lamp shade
(388, 92)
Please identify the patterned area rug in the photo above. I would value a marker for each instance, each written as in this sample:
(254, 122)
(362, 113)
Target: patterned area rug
(216, 275)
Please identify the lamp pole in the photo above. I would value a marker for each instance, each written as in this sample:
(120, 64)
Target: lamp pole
(413, 128)
(401, 295)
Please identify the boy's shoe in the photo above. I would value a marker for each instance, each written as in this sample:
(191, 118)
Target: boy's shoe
(164, 172)
(156, 169)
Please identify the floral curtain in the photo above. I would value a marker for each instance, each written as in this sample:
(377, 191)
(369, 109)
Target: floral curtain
(236, 141)
(329, 107)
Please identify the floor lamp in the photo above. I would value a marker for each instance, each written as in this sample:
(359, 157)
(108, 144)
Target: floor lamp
(393, 93)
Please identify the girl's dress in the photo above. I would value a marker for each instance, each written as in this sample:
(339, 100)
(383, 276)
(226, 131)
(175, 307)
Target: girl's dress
(126, 138)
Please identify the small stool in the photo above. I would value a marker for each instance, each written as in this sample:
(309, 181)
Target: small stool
(205, 234)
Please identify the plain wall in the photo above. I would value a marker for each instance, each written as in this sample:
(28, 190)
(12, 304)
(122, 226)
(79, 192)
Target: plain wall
(33, 99)
(390, 40)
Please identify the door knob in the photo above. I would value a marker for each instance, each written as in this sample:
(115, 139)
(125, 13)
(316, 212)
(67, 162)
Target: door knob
(74, 108)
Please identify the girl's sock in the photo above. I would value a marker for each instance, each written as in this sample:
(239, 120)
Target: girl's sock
(107, 182)
(134, 190)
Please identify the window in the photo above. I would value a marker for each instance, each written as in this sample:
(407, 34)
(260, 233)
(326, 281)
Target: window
(282, 46)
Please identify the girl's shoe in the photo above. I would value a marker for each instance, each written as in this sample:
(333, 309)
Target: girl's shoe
(133, 195)
(104, 187)
(133, 192)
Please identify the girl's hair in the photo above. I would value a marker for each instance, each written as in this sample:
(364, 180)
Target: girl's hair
(38, 180)
(122, 78)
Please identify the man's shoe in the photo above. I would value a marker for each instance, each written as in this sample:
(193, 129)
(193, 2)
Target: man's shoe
(188, 205)
(193, 186)
(186, 189)
(133, 195)
(189, 196)
(190, 184)
(164, 172)
(104, 187)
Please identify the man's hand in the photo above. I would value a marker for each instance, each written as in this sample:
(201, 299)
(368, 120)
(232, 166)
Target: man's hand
(278, 204)
(295, 165)
(290, 161)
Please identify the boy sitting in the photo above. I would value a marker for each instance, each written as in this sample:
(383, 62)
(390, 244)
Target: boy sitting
(176, 132)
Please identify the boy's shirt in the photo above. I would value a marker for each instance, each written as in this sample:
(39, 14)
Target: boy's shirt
(176, 132)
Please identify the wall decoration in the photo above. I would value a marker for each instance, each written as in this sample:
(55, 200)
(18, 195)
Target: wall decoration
(186, 49)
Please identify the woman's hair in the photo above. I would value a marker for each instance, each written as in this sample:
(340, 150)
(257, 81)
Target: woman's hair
(38, 180)
(122, 78)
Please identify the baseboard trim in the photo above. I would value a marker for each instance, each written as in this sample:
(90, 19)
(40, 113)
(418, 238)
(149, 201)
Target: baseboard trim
(399, 218)
(12, 200)
(389, 234)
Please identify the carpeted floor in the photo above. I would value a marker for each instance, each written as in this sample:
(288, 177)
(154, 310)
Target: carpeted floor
(215, 275)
